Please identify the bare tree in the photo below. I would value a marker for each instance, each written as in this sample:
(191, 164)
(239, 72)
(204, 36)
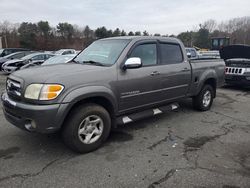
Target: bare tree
(210, 25)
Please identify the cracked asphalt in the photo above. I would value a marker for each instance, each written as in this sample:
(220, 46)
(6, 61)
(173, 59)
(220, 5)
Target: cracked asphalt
(186, 148)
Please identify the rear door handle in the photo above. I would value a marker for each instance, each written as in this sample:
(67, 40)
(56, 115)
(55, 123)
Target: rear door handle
(154, 73)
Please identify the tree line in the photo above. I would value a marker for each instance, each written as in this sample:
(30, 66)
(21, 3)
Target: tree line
(237, 29)
(43, 36)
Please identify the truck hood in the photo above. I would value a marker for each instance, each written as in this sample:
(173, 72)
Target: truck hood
(235, 51)
(59, 72)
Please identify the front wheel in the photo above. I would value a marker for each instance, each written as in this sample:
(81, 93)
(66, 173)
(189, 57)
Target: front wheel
(204, 100)
(86, 128)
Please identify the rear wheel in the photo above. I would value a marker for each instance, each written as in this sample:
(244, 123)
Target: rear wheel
(86, 128)
(204, 100)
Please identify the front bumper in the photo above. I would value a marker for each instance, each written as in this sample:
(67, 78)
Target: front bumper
(30, 117)
(238, 80)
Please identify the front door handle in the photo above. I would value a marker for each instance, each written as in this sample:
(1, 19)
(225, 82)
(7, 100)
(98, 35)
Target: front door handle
(154, 73)
(185, 69)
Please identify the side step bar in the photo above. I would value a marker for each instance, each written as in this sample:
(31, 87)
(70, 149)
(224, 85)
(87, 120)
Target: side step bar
(147, 113)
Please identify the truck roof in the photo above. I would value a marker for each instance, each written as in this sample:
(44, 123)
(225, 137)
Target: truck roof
(138, 38)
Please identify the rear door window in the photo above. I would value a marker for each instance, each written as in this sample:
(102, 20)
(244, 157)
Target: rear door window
(47, 56)
(67, 52)
(18, 55)
(38, 57)
(170, 53)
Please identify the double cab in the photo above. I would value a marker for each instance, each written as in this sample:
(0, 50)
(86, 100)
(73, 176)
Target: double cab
(113, 81)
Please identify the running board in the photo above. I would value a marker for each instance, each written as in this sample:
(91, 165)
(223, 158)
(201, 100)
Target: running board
(146, 113)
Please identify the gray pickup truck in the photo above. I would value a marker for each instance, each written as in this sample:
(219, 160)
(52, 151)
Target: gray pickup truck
(113, 81)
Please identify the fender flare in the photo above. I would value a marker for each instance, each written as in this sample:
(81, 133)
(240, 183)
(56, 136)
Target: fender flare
(210, 74)
(79, 94)
(82, 93)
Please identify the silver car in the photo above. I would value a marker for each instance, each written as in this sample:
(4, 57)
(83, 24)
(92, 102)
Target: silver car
(15, 64)
(59, 59)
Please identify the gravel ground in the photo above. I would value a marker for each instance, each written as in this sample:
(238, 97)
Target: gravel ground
(178, 149)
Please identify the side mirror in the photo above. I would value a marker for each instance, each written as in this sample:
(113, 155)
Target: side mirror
(189, 55)
(132, 63)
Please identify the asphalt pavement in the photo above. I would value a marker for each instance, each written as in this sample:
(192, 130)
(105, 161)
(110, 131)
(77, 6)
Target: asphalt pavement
(186, 148)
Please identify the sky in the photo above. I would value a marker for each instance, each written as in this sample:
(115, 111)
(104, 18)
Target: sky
(155, 16)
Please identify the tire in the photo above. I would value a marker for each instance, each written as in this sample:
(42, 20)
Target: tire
(200, 102)
(84, 121)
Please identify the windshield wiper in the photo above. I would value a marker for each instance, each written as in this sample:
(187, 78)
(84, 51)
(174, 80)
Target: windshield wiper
(74, 61)
(93, 63)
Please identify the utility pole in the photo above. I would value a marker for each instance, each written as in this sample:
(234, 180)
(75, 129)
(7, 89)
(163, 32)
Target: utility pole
(1, 46)
(6, 43)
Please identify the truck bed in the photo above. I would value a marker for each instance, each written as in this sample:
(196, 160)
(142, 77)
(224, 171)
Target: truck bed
(203, 60)
(202, 68)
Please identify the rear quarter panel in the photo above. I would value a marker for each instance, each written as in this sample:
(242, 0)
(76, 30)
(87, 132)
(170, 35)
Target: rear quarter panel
(203, 70)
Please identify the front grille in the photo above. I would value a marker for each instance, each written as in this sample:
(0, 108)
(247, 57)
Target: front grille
(235, 70)
(13, 88)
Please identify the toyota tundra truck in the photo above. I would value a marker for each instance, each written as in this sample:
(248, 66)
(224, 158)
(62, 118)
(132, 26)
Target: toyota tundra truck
(113, 81)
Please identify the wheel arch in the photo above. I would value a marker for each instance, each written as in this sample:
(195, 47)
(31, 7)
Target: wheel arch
(208, 78)
(103, 97)
(213, 83)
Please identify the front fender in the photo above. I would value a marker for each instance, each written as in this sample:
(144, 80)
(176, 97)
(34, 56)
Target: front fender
(90, 91)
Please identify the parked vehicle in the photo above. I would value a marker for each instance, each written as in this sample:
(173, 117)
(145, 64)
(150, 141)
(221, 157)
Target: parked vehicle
(78, 51)
(209, 54)
(237, 58)
(219, 42)
(51, 61)
(192, 53)
(16, 55)
(59, 59)
(16, 64)
(7, 51)
(65, 52)
(113, 81)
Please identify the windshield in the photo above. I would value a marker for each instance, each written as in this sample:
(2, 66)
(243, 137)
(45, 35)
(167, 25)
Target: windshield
(27, 57)
(58, 59)
(59, 51)
(105, 52)
(13, 55)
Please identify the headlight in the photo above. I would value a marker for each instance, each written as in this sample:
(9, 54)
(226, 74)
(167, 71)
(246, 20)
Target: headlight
(43, 91)
(50, 92)
(33, 91)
